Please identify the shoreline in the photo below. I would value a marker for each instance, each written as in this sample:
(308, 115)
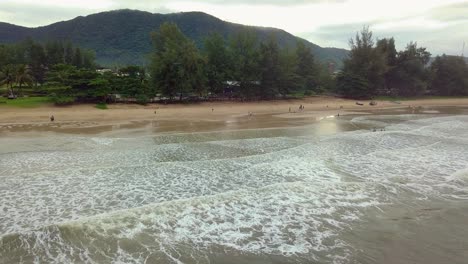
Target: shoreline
(204, 116)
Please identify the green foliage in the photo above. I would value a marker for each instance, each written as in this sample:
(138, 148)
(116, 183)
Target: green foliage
(289, 82)
(40, 56)
(77, 58)
(246, 67)
(142, 99)
(177, 67)
(449, 76)
(27, 102)
(121, 37)
(307, 70)
(352, 86)
(366, 62)
(270, 68)
(101, 106)
(61, 100)
(18, 74)
(219, 63)
(383, 69)
(245, 53)
(8, 77)
(409, 76)
(82, 84)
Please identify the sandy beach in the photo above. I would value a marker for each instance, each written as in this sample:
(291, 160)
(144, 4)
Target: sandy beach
(206, 115)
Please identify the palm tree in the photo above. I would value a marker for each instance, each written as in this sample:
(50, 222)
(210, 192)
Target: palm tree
(7, 76)
(23, 76)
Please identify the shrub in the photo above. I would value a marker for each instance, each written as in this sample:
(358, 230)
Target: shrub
(101, 106)
(142, 99)
(62, 100)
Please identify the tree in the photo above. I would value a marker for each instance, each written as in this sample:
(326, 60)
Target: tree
(449, 76)
(68, 53)
(386, 47)
(306, 67)
(37, 62)
(409, 76)
(352, 86)
(77, 58)
(7, 76)
(99, 89)
(23, 76)
(219, 63)
(269, 67)
(131, 82)
(6, 55)
(288, 79)
(55, 52)
(176, 66)
(365, 63)
(88, 57)
(244, 48)
(81, 84)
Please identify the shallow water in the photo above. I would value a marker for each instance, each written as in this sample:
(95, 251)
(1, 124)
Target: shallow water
(332, 191)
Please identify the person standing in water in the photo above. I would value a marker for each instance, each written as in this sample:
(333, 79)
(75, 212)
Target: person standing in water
(52, 118)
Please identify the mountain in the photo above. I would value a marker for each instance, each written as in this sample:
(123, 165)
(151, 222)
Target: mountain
(123, 37)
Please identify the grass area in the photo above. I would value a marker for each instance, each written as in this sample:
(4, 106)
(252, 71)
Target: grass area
(25, 102)
(101, 106)
(401, 98)
(297, 94)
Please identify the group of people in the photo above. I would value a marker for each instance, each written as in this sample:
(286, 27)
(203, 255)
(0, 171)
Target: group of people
(301, 108)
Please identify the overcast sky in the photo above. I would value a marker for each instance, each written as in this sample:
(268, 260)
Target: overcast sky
(439, 25)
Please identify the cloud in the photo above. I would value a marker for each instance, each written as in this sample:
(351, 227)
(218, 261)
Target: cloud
(282, 3)
(438, 40)
(453, 12)
(38, 14)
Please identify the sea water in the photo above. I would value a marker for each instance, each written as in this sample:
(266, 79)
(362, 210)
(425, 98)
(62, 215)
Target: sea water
(285, 195)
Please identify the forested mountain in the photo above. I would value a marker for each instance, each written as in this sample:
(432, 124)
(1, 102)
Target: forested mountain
(123, 37)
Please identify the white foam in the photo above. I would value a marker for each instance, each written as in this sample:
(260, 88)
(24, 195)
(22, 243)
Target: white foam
(280, 195)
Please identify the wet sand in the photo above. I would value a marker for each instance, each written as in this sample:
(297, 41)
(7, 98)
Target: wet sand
(86, 119)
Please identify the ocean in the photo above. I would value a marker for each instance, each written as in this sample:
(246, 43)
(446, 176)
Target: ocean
(333, 191)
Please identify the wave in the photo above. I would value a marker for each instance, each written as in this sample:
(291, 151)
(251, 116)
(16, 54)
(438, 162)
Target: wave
(303, 221)
(279, 193)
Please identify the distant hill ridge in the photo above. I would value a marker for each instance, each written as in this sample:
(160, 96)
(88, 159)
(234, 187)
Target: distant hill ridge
(122, 37)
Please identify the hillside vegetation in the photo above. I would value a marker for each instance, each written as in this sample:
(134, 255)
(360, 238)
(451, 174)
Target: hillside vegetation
(122, 37)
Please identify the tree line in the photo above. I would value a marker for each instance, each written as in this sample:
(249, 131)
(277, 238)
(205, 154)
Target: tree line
(376, 68)
(27, 63)
(241, 67)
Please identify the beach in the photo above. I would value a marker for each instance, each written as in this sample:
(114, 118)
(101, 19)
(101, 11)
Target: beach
(200, 116)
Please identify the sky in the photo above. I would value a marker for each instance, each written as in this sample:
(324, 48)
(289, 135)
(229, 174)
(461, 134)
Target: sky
(439, 25)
